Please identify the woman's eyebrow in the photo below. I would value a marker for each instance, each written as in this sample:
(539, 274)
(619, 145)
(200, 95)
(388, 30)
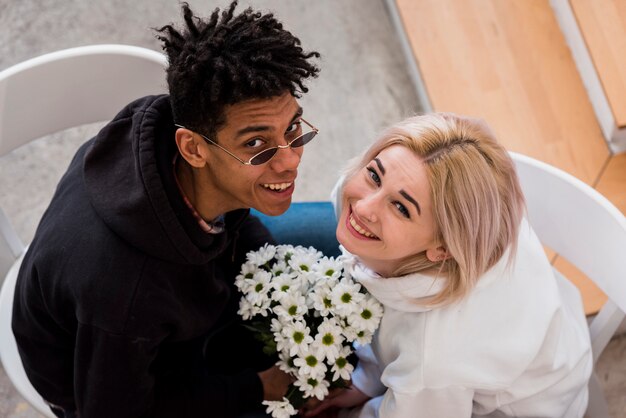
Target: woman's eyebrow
(410, 199)
(380, 165)
(402, 192)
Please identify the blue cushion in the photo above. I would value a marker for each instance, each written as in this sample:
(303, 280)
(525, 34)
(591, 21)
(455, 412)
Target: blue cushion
(307, 224)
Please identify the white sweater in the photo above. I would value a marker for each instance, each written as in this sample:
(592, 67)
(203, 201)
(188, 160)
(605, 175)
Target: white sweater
(517, 345)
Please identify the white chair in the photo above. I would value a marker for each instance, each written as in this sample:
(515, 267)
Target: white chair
(585, 228)
(45, 95)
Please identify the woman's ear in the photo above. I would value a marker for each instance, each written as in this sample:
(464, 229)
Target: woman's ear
(437, 254)
(189, 147)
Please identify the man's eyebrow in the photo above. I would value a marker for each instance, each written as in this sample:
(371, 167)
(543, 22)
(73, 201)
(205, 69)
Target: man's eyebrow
(264, 128)
(298, 114)
(380, 165)
(410, 199)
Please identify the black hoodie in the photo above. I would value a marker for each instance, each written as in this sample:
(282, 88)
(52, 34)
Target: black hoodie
(124, 307)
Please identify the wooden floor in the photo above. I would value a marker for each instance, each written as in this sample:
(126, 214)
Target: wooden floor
(508, 62)
(603, 26)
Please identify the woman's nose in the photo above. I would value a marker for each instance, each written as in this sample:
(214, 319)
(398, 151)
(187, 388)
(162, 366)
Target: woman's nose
(366, 209)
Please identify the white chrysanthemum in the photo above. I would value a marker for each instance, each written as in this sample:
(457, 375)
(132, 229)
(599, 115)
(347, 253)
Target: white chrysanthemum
(280, 409)
(285, 363)
(306, 280)
(348, 262)
(328, 340)
(320, 297)
(310, 280)
(280, 267)
(308, 288)
(284, 284)
(368, 315)
(283, 342)
(247, 272)
(284, 253)
(328, 268)
(341, 368)
(310, 363)
(248, 310)
(259, 287)
(363, 337)
(354, 334)
(298, 288)
(303, 261)
(298, 337)
(291, 306)
(312, 387)
(262, 307)
(262, 255)
(276, 325)
(346, 297)
(308, 250)
(245, 309)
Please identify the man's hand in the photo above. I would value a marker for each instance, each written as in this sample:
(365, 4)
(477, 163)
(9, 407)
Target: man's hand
(275, 383)
(340, 398)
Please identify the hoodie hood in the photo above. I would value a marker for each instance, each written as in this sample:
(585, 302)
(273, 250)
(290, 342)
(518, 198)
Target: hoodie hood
(407, 293)
(129, 178)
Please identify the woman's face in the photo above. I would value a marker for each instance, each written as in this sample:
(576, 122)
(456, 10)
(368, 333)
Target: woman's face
(387, 211)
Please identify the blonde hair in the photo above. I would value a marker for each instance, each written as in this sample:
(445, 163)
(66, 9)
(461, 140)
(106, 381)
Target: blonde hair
(476, 197)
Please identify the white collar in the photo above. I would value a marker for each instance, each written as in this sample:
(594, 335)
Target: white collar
(406, 293)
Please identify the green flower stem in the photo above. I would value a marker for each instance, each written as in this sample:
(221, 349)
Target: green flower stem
(295, 397)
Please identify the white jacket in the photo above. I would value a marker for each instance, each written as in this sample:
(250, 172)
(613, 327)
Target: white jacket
(517, 345)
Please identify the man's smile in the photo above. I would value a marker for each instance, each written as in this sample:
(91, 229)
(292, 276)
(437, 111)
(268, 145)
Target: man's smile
(279, 187)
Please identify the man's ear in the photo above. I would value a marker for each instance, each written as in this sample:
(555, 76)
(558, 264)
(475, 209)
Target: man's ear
(437, 254)
(189, 147)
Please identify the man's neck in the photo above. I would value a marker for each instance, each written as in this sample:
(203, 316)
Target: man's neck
(187, 178)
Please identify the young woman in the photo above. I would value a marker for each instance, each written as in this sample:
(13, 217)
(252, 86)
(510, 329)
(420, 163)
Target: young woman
(475, 322)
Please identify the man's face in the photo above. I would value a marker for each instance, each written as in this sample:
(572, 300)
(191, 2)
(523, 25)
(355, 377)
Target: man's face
(251, 127)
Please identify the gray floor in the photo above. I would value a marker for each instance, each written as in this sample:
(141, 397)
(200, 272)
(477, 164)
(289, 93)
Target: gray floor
(363, 87)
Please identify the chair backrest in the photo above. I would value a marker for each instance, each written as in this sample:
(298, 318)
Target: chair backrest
(65, 89)
(585, 228)
(73, 87)
(9, 355)
(48, 94)
(578, 223)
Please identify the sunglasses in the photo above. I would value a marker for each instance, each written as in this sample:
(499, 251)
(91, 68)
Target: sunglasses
(269, 153)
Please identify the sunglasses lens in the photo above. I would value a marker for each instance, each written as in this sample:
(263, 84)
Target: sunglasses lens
(303, 140)
(263, 156)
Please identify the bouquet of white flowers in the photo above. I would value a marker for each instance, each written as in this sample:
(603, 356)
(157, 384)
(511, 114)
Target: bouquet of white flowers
(308, 310)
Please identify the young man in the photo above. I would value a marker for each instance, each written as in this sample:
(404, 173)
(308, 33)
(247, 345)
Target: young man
(125, 304)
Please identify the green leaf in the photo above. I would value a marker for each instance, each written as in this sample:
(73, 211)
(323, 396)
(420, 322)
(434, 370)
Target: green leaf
(270, 348)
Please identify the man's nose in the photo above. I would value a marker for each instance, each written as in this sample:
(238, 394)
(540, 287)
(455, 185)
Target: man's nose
(286, 159)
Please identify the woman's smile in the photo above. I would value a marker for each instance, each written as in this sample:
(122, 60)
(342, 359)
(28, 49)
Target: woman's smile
(357, 228)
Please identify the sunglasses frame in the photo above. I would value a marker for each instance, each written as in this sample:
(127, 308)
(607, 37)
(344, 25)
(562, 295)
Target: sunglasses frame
(314, 132)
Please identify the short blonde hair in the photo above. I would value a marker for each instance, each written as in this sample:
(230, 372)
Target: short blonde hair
(477, 200)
